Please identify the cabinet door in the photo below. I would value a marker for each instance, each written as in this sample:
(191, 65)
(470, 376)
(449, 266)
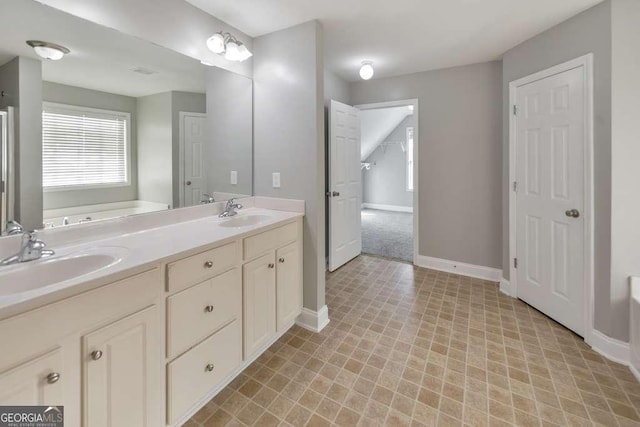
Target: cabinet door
(288, 284)
(122, 372)
(36, 382)
(259, 285)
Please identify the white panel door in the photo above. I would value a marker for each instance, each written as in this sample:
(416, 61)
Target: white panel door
(345, 185)
(195, 174)
(550, 167)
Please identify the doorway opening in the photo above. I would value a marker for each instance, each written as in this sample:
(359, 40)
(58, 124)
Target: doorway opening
(387, 161)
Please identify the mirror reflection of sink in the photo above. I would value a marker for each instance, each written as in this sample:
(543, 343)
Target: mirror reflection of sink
(48, 271)
(244, 221)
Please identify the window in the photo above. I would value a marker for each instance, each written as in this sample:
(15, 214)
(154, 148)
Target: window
(84, 147)
(409, 152)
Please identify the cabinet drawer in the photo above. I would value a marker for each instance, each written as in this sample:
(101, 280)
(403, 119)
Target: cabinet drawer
(202, 266)
(259, 244)
(191, 376)
(198, 311)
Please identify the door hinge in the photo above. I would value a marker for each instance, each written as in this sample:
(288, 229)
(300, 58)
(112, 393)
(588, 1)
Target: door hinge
(515, 263)
(515, 110)
(515, 185)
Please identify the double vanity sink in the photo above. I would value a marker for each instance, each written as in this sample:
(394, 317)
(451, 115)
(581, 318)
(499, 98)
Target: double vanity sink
(170, 309)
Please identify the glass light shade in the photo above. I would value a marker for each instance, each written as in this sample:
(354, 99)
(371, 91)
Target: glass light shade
(244, 53)
(232, 53)
(366, 71)
(46, 52)
(215, 43)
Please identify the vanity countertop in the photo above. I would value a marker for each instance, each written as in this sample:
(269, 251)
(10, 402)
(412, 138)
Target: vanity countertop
(133, 252)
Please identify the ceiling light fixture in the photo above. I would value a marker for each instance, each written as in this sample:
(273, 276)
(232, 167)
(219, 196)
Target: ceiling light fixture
(229, 46)
(366, 70)
(47, 50)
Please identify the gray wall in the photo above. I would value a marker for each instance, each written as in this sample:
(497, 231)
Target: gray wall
(155, 146)
(588, 32)
(71, 95)
(187, 102)
(230, 131)
(460, 157)
(386, 182)
(21, 78)
(289, 135)
(625, 174)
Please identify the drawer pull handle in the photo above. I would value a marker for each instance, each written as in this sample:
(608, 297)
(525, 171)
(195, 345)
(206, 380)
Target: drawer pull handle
(271, 265)
(209, 368)
(53, 377)
(208, 264)
(281, 260)
(96, 354)
(208, 309)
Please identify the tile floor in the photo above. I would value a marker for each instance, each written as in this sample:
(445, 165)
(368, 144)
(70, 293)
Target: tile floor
(410, 346)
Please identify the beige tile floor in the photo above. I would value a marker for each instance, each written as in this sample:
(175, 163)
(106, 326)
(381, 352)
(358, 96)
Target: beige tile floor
(409, 346)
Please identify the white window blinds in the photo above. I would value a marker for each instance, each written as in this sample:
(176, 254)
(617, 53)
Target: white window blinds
(84, 147)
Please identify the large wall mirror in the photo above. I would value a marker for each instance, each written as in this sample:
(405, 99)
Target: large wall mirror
(117, 126)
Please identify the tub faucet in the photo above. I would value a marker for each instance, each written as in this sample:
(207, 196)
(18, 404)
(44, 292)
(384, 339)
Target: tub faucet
(230, 208)
(13, 228)
(31, 249)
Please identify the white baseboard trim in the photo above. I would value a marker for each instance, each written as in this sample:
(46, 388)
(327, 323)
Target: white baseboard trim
(315, 321)
(469, 270)
(392, 208)
(611, 348)
(505, 287)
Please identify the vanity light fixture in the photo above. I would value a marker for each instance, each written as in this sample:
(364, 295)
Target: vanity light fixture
(47, 50)
(366, 70)
(227, 45)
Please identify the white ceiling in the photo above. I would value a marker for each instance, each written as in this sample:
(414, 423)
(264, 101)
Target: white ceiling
(377, 124)
(402, 36)
(101, 58)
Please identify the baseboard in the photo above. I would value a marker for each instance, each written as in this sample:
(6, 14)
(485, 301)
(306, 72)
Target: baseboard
(392, 208)
(611, 348)
(505, 287)
(315, 321)
(469, 270)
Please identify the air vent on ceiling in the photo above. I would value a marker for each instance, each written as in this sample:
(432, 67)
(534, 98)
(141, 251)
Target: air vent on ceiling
(145, 71)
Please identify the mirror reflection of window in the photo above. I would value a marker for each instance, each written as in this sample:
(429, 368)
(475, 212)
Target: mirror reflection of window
(84, 148)
(409, 153)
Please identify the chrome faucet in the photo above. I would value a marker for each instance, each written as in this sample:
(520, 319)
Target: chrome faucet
(207, 199)
(230, 208)
(13, 228)
(31, 249)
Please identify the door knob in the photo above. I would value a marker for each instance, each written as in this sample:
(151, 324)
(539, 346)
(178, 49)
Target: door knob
(96, 354)
(333, 194)
(53, 377)
(188, 182)
(573, 213)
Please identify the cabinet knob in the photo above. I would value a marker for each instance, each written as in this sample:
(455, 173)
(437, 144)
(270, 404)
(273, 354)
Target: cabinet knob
(209, 368)
(208, 309)
(96, 354)
(53, 377)
(281, 260)
(271, 265)
(208, 264)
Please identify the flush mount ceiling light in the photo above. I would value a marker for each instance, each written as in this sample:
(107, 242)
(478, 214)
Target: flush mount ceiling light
(47, 50)
(366, 70)
(227, 45)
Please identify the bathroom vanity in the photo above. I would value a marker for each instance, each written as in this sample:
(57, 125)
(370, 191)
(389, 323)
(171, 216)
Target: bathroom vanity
(143, 328)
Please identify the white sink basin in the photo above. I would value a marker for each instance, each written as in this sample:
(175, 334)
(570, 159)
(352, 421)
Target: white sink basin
(48, 271)
(244, 221)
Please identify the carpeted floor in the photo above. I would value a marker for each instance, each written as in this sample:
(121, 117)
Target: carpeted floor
(387, 234)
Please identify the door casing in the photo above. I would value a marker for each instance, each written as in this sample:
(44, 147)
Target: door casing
(586, 63)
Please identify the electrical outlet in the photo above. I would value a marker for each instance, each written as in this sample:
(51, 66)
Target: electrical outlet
(275, 177)
(234, 177)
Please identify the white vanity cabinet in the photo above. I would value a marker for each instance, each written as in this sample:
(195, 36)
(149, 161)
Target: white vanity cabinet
(52, 359)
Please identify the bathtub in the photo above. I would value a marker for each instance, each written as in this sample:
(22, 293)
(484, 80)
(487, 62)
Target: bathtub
(79, 214)
(635, 327)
